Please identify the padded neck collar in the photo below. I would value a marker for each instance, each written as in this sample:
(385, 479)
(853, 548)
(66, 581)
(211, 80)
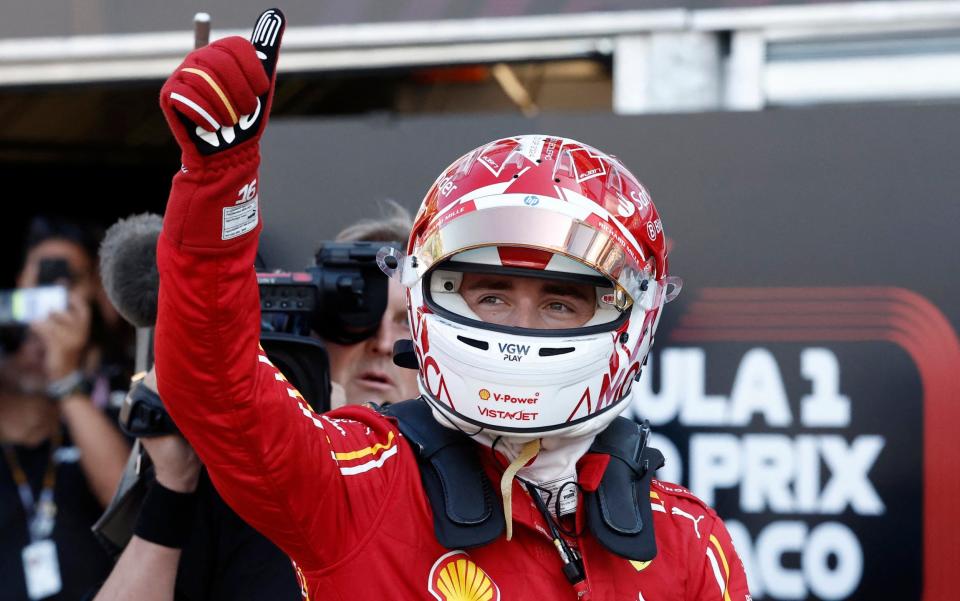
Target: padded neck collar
(467, 511)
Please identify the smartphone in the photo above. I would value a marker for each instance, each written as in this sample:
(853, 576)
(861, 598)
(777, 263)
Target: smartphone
(27, 305)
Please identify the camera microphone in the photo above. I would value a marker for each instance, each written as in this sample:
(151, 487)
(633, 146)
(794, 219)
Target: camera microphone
(128, 267)
(128, 270)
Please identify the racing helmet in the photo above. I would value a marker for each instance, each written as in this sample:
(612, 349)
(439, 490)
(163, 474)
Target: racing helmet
(545, 207)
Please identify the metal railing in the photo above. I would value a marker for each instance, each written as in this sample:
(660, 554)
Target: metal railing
(664, 60)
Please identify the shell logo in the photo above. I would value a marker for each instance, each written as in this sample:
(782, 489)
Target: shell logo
(484, 394)
(454, 577)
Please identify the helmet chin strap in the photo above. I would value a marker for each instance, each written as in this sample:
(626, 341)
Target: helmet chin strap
(554, 459)
(527, 452)
(554, 456)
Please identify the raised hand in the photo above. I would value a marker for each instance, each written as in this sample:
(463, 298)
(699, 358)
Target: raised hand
(220, 96)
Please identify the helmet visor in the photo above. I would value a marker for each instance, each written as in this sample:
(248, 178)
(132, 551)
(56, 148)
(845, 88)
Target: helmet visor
(596, 244)
(522, 300)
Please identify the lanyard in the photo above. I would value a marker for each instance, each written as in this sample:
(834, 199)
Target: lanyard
(41, 513)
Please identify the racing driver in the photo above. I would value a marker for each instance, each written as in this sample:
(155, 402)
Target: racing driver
(535, 277)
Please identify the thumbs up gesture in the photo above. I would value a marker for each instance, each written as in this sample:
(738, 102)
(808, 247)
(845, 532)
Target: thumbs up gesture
(220, 96)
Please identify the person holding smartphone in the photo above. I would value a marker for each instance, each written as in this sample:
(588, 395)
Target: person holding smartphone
(62, 454)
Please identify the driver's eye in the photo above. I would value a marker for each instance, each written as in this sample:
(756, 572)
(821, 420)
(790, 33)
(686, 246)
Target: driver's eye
(559, 307)
(490, 300)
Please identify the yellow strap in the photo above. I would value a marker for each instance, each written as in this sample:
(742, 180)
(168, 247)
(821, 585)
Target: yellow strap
(216, 88)
(528, 452)
(49, 475)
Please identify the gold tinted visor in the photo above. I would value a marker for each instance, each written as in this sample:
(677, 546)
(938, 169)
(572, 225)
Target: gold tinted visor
(600, 248)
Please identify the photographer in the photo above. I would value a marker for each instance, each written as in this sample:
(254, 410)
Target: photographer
(365, 371)
(187, 544)
(63, 456)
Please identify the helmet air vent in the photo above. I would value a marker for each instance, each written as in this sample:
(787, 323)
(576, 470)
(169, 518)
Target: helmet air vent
(480, 344)
(553, 352)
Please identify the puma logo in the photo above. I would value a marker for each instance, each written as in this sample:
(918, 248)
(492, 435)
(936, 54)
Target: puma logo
(684, 514)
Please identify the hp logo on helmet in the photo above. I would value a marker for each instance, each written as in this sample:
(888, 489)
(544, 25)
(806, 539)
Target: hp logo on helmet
(531, 201)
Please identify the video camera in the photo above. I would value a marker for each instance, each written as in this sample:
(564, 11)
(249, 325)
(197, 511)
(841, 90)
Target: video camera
(341, 298)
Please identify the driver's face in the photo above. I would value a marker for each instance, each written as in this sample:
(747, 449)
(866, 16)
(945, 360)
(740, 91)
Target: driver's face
(528, 302)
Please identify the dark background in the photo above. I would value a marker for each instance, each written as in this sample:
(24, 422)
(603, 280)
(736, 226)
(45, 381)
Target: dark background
(886, 398)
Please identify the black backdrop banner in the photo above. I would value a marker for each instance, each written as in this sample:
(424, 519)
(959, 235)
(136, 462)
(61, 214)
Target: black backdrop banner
(805, 381)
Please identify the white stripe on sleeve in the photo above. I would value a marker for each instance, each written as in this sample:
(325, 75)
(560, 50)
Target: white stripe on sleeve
(716, 570)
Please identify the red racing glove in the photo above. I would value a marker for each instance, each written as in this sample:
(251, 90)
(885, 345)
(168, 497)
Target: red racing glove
(216, 104)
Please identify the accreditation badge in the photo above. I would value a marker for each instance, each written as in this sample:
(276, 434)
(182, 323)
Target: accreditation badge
(41, 569)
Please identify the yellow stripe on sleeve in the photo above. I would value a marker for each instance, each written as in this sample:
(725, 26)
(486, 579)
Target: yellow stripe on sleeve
(726, 567)
(367, 451)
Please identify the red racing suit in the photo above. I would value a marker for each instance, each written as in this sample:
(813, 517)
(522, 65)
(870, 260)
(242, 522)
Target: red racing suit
(341, 493)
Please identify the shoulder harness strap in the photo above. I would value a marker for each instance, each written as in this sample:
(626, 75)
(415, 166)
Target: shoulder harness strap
(618, 512)
(467, 511)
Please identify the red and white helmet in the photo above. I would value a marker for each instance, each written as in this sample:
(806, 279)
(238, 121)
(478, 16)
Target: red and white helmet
(548, 207)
